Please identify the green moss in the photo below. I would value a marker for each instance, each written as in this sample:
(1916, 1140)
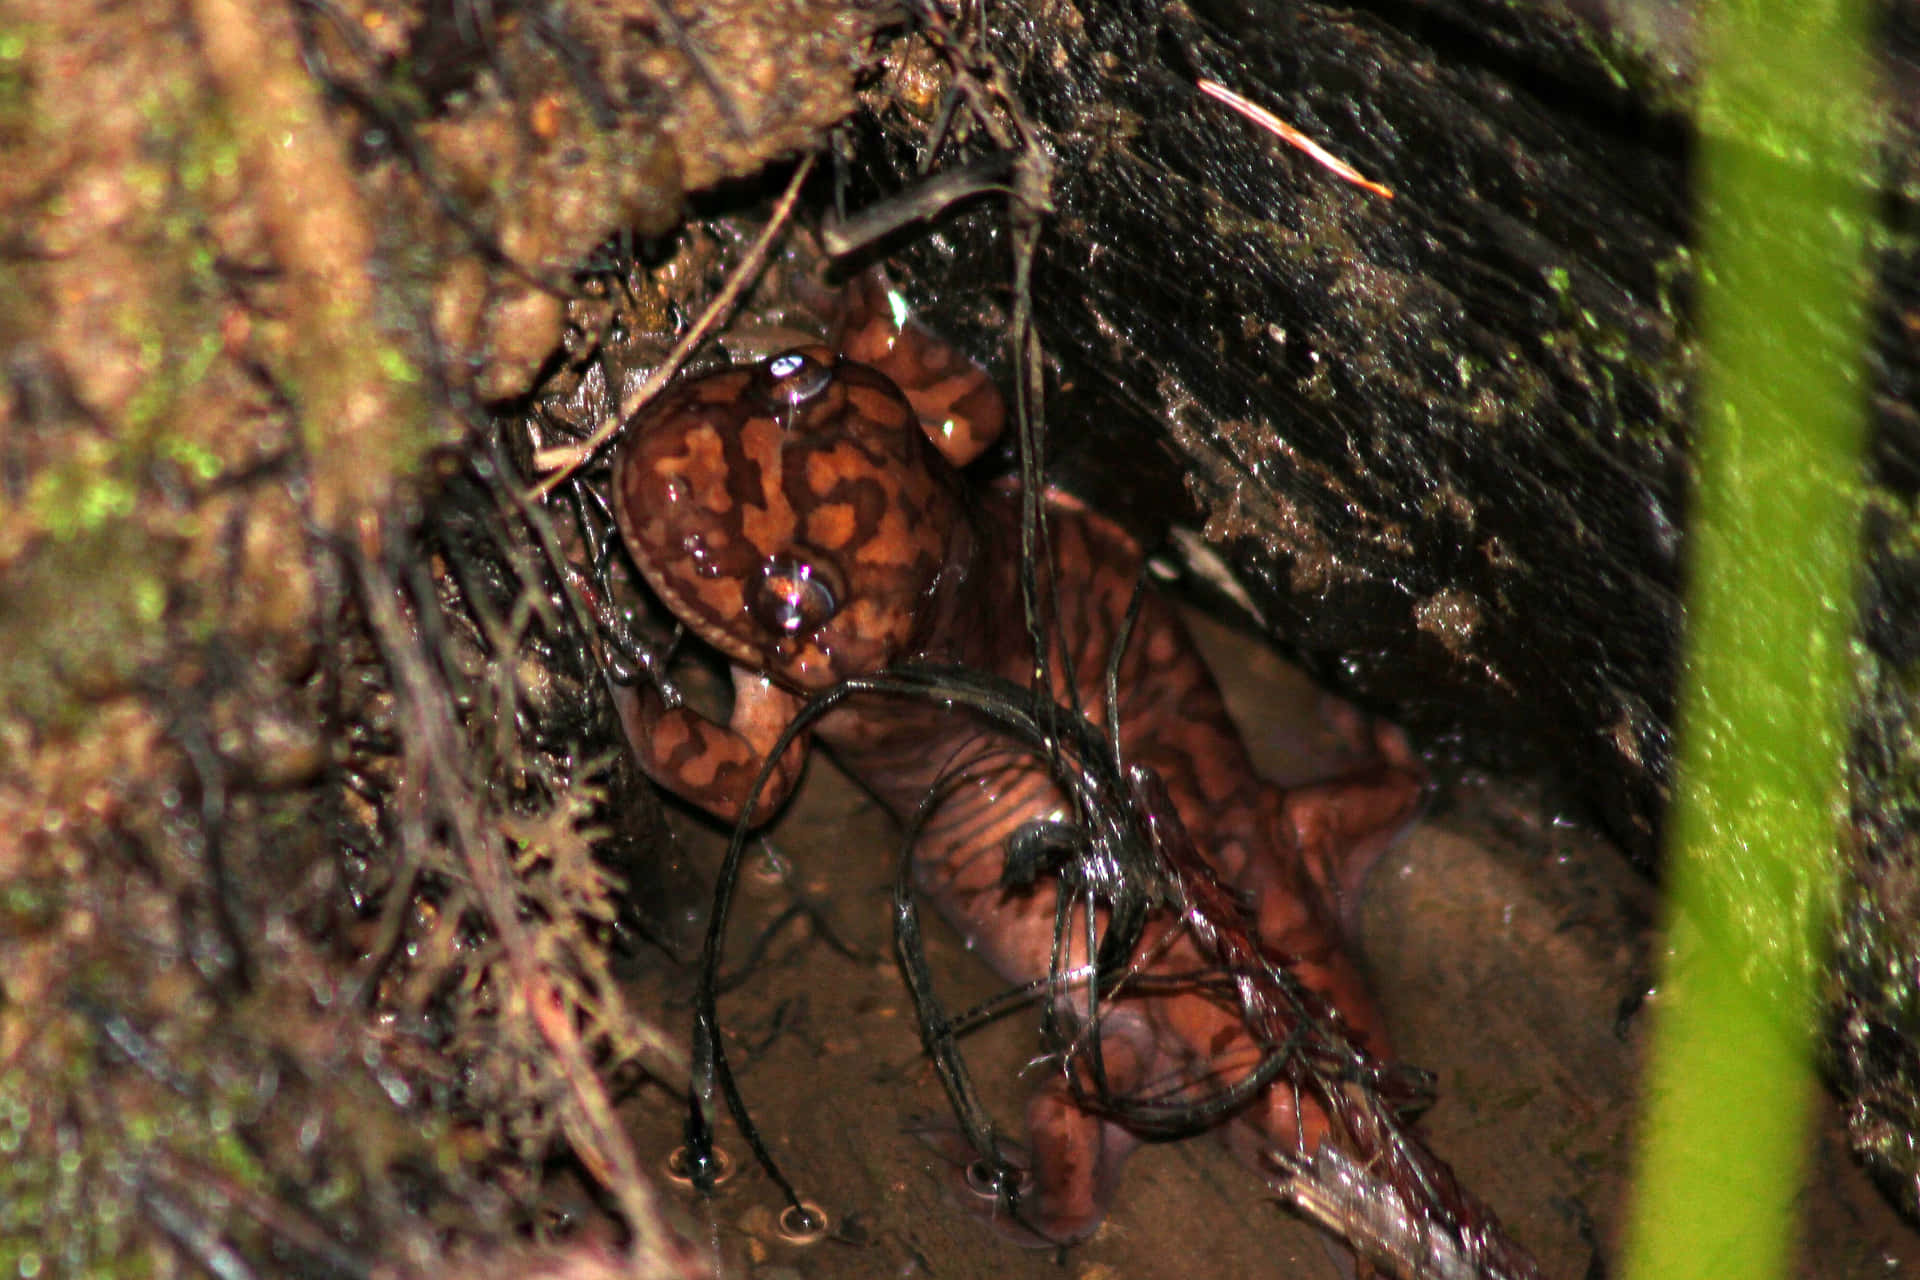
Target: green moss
(1637, 63)
(80, 494)
(191, 456)
(81, 618)
(395, 366)
(16, 95)
(28, 908)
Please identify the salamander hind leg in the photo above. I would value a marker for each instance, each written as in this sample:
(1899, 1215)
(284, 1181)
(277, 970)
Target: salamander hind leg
(1343, 825)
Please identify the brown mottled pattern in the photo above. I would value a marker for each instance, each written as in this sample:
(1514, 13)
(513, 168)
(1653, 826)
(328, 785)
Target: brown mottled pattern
(957, 405)
(718, 477)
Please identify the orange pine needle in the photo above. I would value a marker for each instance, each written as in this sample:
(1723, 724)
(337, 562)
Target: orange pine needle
(1290, 135)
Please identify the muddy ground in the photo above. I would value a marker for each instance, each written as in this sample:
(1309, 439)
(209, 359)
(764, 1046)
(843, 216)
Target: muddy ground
(1510, 952)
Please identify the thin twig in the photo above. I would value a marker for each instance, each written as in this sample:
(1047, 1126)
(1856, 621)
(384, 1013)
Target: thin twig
(925, 202)
(287, 1222)
(563, 462)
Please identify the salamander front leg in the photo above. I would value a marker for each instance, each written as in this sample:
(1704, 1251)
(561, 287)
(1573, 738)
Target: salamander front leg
(713, 765)
(1342, 826)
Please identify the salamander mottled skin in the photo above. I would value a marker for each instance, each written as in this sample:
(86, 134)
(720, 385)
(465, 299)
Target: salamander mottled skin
(804, 516)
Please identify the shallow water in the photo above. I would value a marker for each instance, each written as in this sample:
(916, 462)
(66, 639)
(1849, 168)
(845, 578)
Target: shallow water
(1506, 951)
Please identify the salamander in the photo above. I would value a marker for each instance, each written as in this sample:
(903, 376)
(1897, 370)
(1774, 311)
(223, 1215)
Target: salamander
(806, 517)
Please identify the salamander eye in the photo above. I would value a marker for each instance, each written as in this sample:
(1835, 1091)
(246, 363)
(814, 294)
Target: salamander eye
(794, 595)
(792, 378)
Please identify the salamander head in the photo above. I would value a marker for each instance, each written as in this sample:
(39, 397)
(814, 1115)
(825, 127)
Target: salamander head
(791, 514)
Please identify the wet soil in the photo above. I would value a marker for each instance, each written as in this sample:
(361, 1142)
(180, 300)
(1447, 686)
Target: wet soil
(1511, 954)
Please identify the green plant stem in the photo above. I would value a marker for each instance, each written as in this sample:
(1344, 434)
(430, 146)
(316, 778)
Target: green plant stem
(1785, 200)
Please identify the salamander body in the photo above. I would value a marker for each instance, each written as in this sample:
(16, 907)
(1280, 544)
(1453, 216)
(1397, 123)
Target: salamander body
(806, 517)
